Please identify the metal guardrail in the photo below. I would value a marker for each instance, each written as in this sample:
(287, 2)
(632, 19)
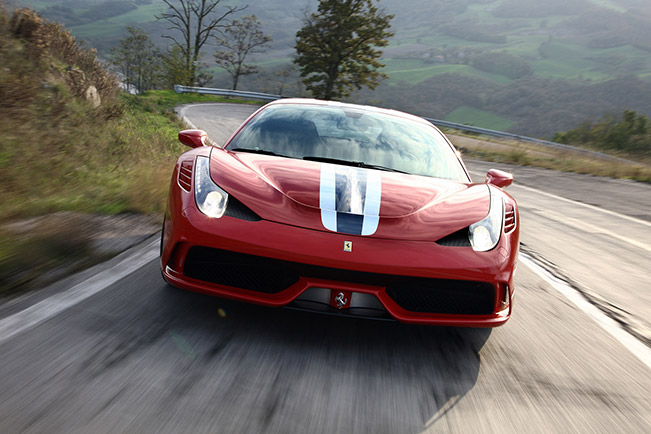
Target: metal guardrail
(437, 122)
(226, 92)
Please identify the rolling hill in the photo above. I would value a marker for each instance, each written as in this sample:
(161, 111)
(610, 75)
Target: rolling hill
(530, 66)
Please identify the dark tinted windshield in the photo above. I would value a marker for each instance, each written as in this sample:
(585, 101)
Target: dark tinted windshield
(351, 134)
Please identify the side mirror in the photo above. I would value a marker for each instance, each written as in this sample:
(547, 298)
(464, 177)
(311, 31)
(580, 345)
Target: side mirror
(499, 178)
(193, 138)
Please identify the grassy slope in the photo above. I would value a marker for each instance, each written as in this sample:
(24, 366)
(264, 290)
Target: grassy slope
(125, 162)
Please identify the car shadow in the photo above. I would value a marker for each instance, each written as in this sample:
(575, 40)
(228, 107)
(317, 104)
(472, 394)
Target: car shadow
(299, 371)
(142, 356)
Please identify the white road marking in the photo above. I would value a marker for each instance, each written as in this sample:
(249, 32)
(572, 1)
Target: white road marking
(50, 307)
(639, 350)
(587, 227)
(585, 205)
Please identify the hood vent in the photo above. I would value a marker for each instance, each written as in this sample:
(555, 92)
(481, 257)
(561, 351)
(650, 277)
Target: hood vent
(185, 174)
(509, 218)
(238, 210)
(457, 239)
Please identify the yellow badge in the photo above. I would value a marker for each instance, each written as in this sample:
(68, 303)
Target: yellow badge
(348, 246)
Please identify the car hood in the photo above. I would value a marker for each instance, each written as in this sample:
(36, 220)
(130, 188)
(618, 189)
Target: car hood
(324, 196)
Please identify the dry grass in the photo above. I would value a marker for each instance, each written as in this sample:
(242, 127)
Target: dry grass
(528, 154)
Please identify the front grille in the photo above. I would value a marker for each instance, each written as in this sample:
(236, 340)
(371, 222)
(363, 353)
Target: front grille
(444, 296)
(185, 174)
(238, 270)
(509, 218)
(270, 276)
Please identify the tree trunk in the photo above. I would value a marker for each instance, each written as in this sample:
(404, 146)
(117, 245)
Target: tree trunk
(333, 73)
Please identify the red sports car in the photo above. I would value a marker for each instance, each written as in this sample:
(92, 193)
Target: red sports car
(344, 209)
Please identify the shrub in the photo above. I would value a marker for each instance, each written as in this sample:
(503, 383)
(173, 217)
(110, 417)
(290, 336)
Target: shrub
(630, 132)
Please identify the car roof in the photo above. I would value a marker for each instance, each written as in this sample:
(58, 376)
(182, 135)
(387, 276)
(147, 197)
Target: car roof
(338, 104)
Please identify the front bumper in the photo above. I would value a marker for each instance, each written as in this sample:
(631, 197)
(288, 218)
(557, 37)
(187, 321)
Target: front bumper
(274, 264)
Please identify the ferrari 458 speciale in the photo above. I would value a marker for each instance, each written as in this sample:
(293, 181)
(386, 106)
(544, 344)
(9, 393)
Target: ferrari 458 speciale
(344, 209)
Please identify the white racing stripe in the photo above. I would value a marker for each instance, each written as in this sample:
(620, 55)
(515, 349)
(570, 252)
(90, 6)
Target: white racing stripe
(639, 350)
(48, 308)
(372, 203)
(328, 197)
(359, 194)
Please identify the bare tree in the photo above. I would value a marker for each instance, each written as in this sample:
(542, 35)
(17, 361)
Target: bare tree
(137, 57)
(196, 21)
(173, 68)
(283, 75)
(241, 38)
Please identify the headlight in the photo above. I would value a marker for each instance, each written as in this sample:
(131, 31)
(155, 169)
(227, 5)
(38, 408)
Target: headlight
(211, 200)
(485, 234)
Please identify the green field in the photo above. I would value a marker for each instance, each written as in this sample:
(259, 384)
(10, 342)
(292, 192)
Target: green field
(556, 69)
(564, 59)
(478, 118)
(414, 71)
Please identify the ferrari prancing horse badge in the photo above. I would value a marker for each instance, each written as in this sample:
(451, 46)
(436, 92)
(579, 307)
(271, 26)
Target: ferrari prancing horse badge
(348, 246)
(340, 300)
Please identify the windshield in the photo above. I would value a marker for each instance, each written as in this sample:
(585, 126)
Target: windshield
(353, 135)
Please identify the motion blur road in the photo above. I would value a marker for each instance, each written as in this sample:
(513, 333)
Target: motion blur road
(117, 350)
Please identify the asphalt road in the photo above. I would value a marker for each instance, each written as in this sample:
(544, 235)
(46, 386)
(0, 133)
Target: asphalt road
(119, 351)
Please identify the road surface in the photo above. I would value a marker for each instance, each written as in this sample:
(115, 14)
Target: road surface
(116, 350)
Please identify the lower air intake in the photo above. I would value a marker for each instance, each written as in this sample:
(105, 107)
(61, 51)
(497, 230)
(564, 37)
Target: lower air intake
(238, 270)
(444, 296)
(270, 276)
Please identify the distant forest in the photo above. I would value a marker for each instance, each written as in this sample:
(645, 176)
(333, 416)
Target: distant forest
(538, 107)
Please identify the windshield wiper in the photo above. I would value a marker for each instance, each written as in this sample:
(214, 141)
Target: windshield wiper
(257, 151)
(352, 163)
(385, 168)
